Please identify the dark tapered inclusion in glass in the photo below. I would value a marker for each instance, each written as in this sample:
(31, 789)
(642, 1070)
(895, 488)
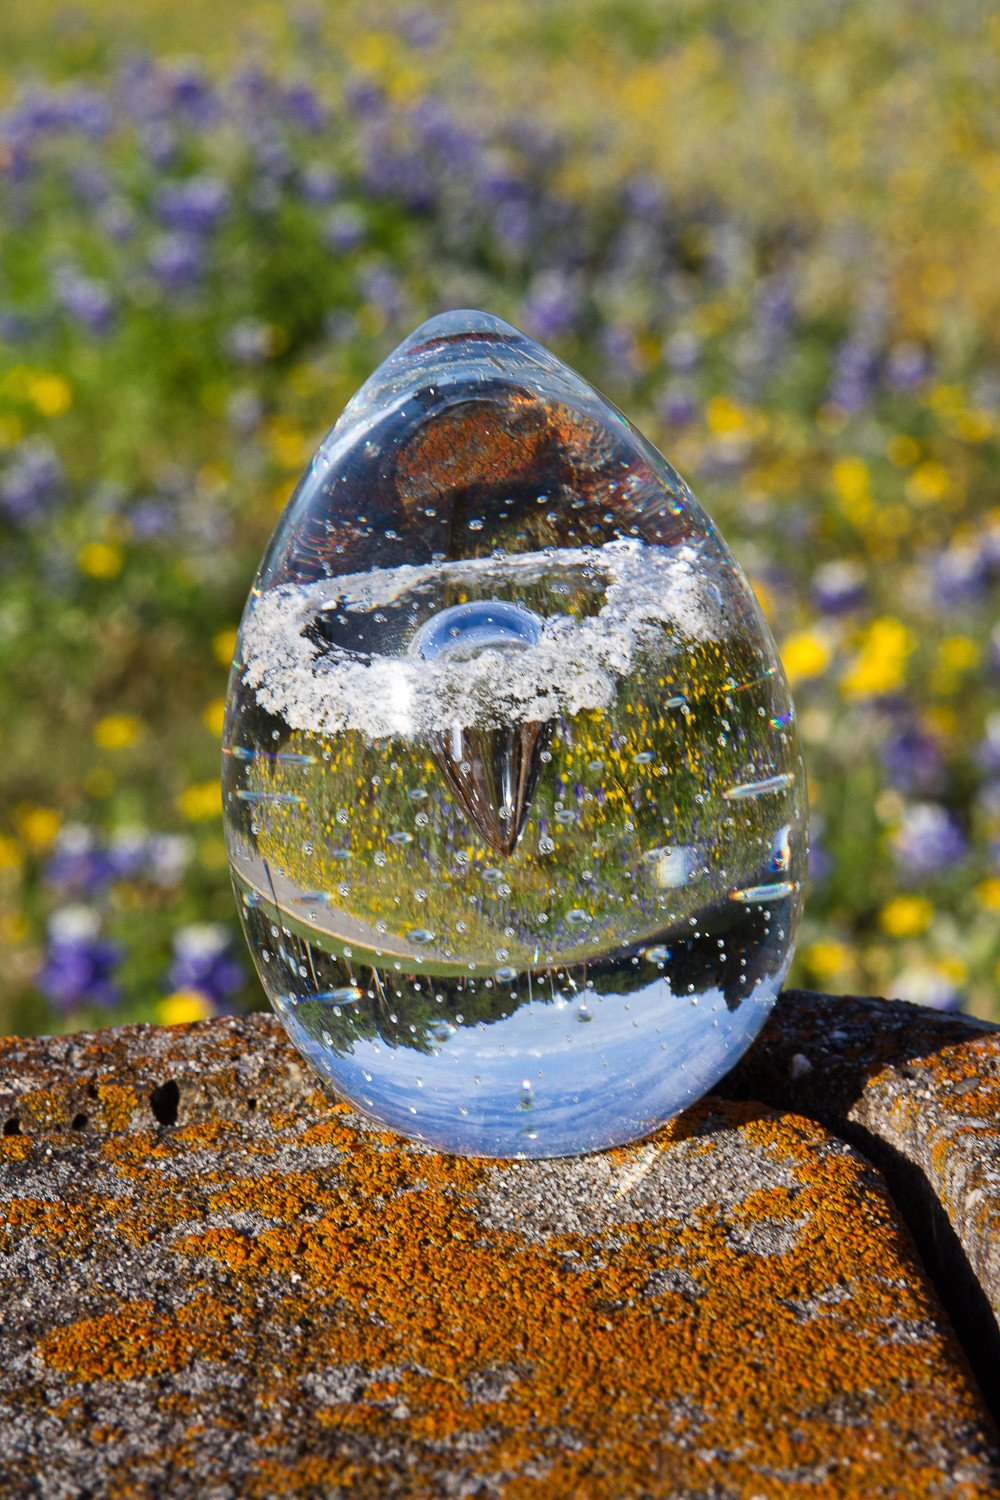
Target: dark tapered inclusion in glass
(513, 801)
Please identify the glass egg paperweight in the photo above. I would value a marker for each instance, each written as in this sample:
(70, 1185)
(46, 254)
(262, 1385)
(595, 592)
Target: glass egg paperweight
(513, 801)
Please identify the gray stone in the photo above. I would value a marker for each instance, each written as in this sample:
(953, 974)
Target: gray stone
(221, 1283)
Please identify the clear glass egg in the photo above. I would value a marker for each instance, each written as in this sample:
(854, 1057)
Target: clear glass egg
(513, 800)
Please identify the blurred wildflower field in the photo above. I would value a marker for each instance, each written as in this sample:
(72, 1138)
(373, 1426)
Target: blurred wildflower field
(767, 232)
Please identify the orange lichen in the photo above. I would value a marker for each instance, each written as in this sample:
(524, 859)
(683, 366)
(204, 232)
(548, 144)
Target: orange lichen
(653, 1356)
(137, 1340)
(418, 1284)
(118, 1103)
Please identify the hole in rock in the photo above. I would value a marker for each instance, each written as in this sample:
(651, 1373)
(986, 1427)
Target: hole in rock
(12, 1126)
(80, 1122)
(163, 1101)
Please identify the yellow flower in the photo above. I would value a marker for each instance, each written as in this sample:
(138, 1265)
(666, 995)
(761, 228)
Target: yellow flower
(50, 394)
(11, 429)
(805, 655)
(10, 853)
(38, 825)
(224, 646)
(852, 482)
(101, 559)
(289, 444)
(765, 598)
(201, 801)
(214, 716)
(880, 664)
(827, 959)
(942, 720)
(183, 1007)
(902, 450)
(958, 653)
(929, 481)
(988, 893)
(725, 416)
(13, 927)
(906, 916)
(946, 399)
(117, 731)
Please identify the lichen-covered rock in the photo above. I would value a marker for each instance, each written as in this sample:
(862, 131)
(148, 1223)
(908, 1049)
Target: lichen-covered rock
(218, 1283)
(919, 1093)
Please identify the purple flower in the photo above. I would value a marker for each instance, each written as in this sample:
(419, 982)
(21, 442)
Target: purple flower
(957, 575)
(987, 752)
(435, 126)
(820, 859)
(188, 92)
(160, 142)
(907, 366)
(74, 107)
(553, 305)
(303, 107)
(419, 26)
(913, 761)
(252, 92)
(496, 180)
(855, 368)
(319, 183)
(381, 290)
(127, 853)
(838, 587)
(620, 346)
(204, 961)
(344, 229)
(152, 516)
(86, 300)
(682, 351)
(512, 223)
(928, 986)
(117, 220)
(77, 862)
(196, 206)
(89, 182)
(79, 965)
(169, 854)
(176, 260)
(775, 307)
(244, 411)
(272, 161)
(32, 481)
(644, 196)
(248, 342)
(989, 552)
(676, 406)
(88, 111)
(927, 841)
(364, 97)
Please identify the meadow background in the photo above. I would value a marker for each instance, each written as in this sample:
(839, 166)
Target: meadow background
(767, 231)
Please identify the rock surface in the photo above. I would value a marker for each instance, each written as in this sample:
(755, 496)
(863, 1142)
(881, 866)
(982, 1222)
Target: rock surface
(919, 1093)
(217, 1282)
